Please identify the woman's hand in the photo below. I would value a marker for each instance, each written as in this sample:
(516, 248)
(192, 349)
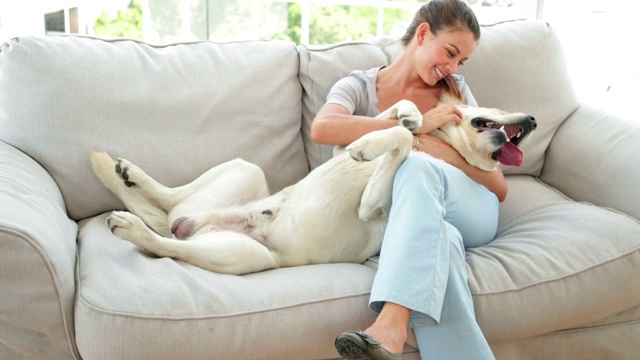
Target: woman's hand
(492, 180)
(439, 116)
(438, 149)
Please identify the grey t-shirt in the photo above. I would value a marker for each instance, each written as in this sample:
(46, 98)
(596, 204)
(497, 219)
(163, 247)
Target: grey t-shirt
(357, 92)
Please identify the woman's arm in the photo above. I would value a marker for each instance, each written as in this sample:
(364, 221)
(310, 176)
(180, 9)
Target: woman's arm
(334, 125)
(492, 180)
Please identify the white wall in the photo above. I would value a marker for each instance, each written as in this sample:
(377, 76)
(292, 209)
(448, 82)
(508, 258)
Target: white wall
(600, 38)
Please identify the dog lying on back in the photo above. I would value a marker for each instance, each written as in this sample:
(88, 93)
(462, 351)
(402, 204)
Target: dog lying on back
(226, 221)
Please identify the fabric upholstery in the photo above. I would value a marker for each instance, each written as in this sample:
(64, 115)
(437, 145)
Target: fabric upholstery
(583, 168)
(37, 260)
(618, 341)
(156, 106)
(180, 311)
(555, 264)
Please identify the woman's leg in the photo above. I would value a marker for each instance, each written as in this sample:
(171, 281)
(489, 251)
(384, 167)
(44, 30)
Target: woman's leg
(415, 263)
(457, 336)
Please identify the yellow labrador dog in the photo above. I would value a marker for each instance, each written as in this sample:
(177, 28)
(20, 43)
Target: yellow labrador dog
(226, 221)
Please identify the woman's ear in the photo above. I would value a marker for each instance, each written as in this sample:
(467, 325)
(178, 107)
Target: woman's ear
(421, 32)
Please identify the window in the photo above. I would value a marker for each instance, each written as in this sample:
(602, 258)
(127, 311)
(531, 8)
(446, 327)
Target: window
(302, 21)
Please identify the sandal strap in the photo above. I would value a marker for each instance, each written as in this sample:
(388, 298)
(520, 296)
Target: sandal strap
(368, 339)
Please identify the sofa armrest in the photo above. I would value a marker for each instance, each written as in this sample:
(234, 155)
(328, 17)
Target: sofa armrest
(593, 157)
(37, 262)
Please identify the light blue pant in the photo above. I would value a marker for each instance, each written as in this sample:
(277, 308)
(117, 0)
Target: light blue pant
(437, 212)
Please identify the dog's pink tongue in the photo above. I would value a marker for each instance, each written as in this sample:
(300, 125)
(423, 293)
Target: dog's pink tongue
(510, 155)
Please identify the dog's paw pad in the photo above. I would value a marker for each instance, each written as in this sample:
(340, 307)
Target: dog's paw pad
(411, 120)
(126, 171)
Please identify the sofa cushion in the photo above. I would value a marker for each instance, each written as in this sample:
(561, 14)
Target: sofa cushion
(175, 110)
(594, 158)
(37, 262)
(183, 312)
(556, 264)
(320, 68)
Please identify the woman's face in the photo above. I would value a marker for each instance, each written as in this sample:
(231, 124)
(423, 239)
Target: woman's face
(440, 55)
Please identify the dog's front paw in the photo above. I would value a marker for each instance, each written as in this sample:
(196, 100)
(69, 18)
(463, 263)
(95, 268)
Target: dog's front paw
(410, 117)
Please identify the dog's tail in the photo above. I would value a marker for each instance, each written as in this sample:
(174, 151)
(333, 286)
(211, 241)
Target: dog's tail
(155, 217)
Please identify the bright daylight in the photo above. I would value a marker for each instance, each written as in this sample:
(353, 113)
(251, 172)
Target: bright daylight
(319, 180)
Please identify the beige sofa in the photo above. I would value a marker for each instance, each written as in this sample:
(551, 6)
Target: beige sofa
(559, 282)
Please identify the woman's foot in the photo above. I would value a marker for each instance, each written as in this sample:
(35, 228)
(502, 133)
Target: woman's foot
(383, 340)
(357, 345)
(391, 338)
(390, 327)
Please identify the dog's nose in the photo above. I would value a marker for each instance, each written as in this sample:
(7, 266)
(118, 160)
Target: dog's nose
(534, 124)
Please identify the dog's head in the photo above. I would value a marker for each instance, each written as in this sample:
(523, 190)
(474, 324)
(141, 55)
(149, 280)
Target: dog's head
(487, 137)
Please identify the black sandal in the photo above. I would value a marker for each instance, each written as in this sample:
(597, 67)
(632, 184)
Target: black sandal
(356, 345)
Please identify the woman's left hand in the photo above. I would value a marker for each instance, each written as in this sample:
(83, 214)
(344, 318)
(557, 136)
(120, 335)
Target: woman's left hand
(493, 180)
(439, 116)
(437, 148)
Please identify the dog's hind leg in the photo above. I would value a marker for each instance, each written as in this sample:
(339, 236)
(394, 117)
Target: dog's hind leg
(224, 252)
(229, 183)
(106, 169)
(394, 145)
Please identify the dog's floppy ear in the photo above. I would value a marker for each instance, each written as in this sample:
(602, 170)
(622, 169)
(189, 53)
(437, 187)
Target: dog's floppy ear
(452, 131)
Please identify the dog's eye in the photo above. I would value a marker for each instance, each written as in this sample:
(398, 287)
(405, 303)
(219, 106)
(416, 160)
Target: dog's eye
(267, 212)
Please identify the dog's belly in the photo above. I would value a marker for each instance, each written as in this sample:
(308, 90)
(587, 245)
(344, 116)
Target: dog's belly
(327, 204)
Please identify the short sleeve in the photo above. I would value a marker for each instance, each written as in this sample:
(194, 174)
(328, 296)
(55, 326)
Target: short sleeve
(350, 92)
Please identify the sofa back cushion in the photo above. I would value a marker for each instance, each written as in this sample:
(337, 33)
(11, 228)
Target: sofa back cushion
(518, 66)
(320, 68)
(174, 110)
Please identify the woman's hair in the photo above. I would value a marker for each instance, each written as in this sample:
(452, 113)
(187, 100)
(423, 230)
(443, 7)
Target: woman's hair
(444, 15)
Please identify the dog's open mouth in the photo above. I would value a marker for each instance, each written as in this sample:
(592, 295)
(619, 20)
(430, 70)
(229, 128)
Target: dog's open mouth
(510, 154)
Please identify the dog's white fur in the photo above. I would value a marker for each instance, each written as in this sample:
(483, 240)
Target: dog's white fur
(337, 213)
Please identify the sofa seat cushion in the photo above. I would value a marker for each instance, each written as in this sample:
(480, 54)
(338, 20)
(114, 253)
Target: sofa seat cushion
(175, 110)
(556, 264)
(131, 305)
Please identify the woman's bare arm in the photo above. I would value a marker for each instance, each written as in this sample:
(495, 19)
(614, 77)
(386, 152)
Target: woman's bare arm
(333, 125)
